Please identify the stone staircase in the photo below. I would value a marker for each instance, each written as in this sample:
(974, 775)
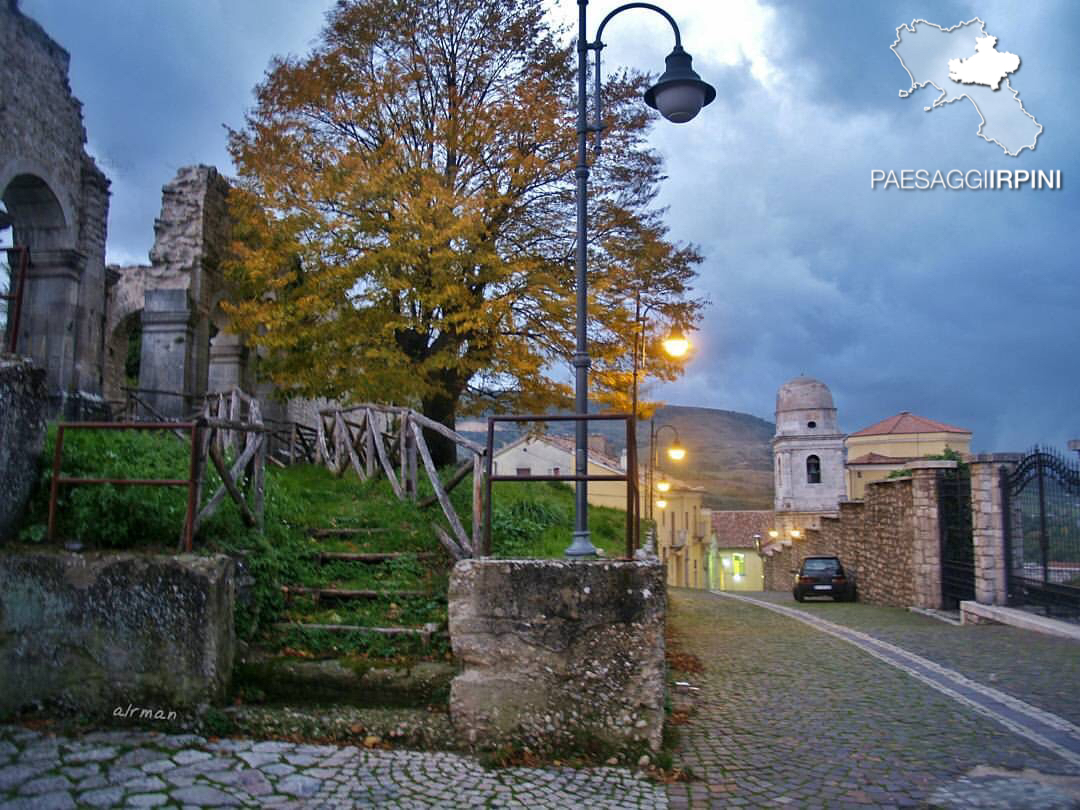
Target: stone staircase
(362, 648)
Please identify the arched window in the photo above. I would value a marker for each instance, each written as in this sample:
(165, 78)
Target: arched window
(813, 470)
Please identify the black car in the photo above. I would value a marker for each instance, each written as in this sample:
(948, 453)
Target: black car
(823, 576)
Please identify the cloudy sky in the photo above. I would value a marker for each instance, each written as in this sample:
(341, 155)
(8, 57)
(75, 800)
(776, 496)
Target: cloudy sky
(960, 306)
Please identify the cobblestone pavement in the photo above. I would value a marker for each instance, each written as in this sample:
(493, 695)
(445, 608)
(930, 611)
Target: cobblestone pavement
(785, 715)
(143, 769)
(1040, 669)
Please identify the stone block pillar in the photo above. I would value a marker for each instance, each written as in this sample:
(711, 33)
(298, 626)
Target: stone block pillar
(926, 537)
(988, 526)
(51, 318)
(558, 653)
(23, 405)
(167, 363)
(228, 363)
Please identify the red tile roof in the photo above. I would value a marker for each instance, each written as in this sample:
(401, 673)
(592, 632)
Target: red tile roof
(877, 458)
(907, 422)
(736, 529)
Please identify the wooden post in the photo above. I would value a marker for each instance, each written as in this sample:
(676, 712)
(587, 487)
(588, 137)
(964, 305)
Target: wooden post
(479, 544)
(369, 443)
(410, 456)
(292, 442)
(260, 478)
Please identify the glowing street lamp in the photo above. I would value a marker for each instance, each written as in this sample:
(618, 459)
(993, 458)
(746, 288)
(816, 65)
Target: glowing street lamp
(676, 343)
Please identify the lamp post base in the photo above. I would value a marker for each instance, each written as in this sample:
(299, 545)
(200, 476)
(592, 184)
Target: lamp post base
(581, 547)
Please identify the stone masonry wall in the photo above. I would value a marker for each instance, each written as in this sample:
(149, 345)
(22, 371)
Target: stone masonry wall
(872, 537)
(558, 654)
(93, 631)
(23, 401)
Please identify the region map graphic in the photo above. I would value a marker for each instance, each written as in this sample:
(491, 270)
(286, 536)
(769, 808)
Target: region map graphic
(963, 62)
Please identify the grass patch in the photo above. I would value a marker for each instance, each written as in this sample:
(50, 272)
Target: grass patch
(535, 519)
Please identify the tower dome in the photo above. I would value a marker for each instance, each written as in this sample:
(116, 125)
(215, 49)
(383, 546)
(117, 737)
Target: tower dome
(804, 407)
(804, 393)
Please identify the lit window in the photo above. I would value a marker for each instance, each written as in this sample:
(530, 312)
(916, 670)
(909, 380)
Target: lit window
(738, 564)
(813, 470)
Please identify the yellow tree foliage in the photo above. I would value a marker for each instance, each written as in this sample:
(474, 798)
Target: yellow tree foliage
(405, 214)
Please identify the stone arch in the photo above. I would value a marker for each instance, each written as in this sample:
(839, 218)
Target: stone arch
(20, 171)
(123, 353)
(36, 213)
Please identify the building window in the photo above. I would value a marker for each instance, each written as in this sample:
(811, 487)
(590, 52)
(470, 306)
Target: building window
(523, 472)
(554, 470)
(813, 470)
(738, 564)
(811, 424)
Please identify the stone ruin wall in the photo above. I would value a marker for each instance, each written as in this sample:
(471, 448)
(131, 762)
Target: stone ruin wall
(59, 200)
(176, 298)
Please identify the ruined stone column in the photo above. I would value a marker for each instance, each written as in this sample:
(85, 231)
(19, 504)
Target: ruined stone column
(926, 537)
(165, 367)
(228, 363)
(988, 526)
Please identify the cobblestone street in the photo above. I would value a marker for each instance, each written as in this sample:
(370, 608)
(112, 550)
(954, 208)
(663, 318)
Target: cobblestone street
(787, 715)
(141, 769)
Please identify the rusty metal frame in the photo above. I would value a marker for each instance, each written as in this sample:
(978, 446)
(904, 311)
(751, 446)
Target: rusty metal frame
(191, 482)
(633, 501)
(15, 313)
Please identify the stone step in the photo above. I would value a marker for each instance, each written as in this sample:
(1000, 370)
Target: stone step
(323, 533)
(371, 556)
(345, 593)
(425, 632)
(351, 681)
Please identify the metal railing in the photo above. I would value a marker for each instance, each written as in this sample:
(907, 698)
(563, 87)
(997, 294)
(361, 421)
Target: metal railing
(208, 438)
(633, 522)
(17, 280)
(191, 482)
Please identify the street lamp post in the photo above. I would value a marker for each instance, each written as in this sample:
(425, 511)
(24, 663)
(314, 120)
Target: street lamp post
(679, 95)
(675, 345)
(676, 451)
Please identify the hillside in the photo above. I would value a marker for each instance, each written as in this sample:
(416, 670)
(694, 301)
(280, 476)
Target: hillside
(728, 453)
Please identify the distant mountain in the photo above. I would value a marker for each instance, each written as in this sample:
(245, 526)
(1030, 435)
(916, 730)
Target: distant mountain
(727, 453)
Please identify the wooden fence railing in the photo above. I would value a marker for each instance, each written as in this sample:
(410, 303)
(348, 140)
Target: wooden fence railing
(381, 439)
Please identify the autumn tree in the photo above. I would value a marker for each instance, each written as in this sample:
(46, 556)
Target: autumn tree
(405, 214)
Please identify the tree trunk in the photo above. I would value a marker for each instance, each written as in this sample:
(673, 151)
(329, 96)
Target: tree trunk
(441, 408)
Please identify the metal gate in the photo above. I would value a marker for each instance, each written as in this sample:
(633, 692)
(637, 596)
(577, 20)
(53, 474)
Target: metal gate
(1042, 533)
(957, 546)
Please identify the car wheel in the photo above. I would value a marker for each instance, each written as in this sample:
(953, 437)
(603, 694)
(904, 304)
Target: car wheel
(798, 596)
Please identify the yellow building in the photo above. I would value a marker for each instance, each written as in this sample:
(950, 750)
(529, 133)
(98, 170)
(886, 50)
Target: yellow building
(734, 562)
(874, 452)
(682, 534)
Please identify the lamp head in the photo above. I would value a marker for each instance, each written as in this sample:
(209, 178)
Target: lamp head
(663, 486)
(676, 452)
(676, 343)
(680, 93)
(661, 503)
